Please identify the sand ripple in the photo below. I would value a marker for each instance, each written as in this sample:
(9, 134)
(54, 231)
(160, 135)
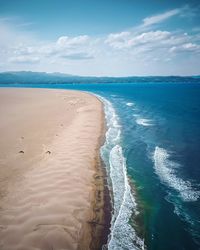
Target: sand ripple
(49, 205)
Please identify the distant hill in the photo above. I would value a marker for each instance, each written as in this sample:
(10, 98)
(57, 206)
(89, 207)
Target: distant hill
(29, 77)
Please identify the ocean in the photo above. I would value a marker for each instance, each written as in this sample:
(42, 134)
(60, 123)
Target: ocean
(152, 157)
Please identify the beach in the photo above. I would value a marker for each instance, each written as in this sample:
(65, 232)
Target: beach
(51, 178)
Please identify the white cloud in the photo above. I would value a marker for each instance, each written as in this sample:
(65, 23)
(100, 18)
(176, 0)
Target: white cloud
(144, 37)
(150, 37)
(142, 50)
(65, 48)
(24, 59)
(78, 56)
(119, 36)
(189, 12)
(185, 12)
(65, 41)
(118, 40)
(187, 47)
(128, 40)
(160, 17)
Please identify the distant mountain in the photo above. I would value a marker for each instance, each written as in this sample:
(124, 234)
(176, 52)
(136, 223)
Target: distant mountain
(29, 77)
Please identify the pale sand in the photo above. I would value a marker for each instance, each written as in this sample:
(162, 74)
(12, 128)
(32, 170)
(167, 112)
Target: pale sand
(48, 191)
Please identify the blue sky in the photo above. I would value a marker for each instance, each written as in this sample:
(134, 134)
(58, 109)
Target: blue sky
(107, 37)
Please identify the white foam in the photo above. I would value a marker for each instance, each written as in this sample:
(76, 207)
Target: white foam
(144, 122)
(122, 235)
(130, 104)
(166, 170)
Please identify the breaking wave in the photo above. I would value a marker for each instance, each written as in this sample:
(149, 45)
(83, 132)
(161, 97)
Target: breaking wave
(166, 170)
(123, 235)
(130, 104)
(144, 122)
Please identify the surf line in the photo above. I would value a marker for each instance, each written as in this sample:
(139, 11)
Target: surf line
(122, 234)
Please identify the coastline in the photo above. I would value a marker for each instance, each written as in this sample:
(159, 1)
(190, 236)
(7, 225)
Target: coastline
(93, 223)
(101, 220)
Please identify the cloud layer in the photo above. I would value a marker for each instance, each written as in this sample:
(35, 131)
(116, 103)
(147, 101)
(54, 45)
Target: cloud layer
(146, 49)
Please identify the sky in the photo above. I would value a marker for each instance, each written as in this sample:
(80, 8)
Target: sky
(101, 37)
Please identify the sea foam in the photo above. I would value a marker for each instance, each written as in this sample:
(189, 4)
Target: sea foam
(123, 235)
(144, 122)
(166, 170)
(130, 104)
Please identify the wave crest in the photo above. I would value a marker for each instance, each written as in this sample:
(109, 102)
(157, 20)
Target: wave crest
(166, 170)
(123, 235)
(144, 122)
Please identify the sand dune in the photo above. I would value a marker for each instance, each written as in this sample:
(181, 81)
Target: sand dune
(48, 158)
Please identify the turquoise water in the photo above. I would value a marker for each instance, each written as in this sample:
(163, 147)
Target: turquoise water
(152, 155)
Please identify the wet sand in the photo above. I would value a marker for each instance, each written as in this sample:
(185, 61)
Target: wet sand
(51, 181)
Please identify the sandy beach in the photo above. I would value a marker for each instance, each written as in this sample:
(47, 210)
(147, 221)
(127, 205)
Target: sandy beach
(51, 181)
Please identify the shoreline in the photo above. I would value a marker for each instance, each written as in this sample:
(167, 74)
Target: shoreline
(94, 218)
(102, 208)
(100, 220)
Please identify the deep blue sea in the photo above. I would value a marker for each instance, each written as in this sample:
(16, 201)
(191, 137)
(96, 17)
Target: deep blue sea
(152, 156)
